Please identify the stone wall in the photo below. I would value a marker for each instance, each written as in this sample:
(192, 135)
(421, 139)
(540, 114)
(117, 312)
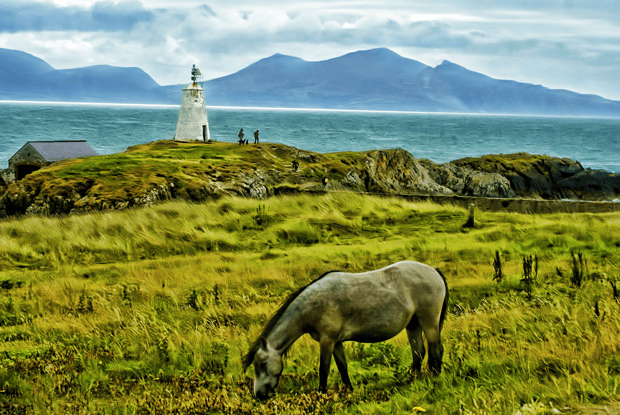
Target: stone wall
(26, 155)
(7, 176)
(526, 206)
(535, 206)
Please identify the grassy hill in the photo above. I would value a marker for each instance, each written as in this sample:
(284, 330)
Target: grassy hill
(169, 169)
(149, 310)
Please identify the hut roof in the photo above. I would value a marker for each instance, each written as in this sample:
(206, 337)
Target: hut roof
(59, 150)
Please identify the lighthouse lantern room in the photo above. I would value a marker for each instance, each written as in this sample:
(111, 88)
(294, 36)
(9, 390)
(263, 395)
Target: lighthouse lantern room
(193, 124)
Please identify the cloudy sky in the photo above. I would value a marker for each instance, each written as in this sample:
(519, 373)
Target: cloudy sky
(568, 44)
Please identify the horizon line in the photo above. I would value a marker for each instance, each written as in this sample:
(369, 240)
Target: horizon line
(110, 104)
(102, 104)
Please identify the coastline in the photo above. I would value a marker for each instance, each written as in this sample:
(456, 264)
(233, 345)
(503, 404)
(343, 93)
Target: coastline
(198, 172)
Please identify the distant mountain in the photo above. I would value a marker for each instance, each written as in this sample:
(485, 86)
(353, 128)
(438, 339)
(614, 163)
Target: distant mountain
(380, 79)
(376, 79)
(24, 77)
(361, 80)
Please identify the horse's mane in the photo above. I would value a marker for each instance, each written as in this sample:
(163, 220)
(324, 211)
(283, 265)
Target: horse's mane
(249, 357)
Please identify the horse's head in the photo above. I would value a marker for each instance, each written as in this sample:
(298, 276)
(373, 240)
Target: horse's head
(267, 369)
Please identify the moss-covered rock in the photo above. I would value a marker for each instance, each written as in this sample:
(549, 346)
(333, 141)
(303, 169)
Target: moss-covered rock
(531, 176)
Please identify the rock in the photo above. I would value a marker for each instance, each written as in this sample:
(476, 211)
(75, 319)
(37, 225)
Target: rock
(530, 176)
(466, 182)
(397, 171)
(446, 175)
(352, 180)
(256, 189)
(481, 184)
(592, 185)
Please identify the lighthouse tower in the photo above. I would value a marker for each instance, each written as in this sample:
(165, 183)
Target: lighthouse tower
(193, 124)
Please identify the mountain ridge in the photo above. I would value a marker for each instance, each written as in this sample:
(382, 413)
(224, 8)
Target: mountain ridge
(375, 79)
(24, 77)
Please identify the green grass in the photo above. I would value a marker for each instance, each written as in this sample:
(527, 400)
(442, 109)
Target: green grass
(150, 310)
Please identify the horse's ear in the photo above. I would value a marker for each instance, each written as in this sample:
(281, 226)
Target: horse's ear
(248, 359)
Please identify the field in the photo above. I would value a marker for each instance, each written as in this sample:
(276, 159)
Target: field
(148, 311)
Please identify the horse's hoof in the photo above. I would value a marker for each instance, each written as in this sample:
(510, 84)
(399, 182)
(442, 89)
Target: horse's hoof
(261, 396)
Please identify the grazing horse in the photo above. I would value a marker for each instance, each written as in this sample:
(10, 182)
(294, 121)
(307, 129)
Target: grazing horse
(368, 307)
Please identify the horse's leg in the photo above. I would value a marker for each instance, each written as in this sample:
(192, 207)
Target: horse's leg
(435, 348)
(327, 349)
(341, 362)
(435, 356)
(414, 334)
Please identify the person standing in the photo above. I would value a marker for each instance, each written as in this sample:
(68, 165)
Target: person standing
(256, 137)
(240, 135)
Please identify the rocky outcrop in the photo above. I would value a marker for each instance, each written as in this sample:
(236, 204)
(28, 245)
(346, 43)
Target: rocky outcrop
(392, 171)
(466, 182)
(531, 176)
(526, 176)
(263, 171)
(592, 185)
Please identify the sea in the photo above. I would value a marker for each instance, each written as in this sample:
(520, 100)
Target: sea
(112, 128)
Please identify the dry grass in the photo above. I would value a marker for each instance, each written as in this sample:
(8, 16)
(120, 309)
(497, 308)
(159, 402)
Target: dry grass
(149, 310)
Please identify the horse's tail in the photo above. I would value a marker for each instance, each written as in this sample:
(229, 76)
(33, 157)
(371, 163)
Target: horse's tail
(444, 307)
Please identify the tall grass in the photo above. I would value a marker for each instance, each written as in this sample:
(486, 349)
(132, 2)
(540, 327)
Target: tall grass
(149, 310)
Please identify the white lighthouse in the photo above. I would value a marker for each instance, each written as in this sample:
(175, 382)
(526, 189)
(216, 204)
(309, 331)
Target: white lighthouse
(193, 124)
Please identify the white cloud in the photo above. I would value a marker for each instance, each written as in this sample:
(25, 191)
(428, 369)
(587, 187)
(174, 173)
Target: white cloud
(572, 44)
(78, 3)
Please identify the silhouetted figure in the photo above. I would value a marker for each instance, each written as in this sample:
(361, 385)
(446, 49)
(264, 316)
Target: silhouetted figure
(256, 137)
(240, 135)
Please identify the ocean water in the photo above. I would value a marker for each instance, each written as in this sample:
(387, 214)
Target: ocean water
(438, 137)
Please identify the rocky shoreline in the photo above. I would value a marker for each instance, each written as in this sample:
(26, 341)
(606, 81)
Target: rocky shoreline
(220, 169)
(526, 176)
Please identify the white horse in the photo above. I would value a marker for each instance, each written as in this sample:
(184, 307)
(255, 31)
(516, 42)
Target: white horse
(368, 307)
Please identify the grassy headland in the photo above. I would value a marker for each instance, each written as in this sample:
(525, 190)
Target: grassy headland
(164, 170)
(168, 169)
(150, 310)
